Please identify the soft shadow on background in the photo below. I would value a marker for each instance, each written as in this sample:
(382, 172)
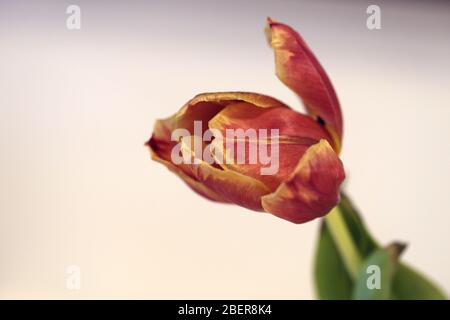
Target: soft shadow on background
(77, 186)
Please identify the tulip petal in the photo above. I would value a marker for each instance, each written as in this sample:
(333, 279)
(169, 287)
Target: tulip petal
(195, 185)
(202, 108)
(225, 98)
(205, 106)
(296, 132)
(312, 190)
(232, 186)
(160, 148)
(298, 68)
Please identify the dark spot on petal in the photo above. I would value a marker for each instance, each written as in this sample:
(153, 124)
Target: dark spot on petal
(320, 121)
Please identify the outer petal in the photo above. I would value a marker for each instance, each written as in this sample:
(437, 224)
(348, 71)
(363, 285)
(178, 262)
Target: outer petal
(257, 99)
(206, 105)
(195, 185)
(202, 107)
(296, 133)
(312, 190)
(160, 149)
(298, 68)
(232, 186)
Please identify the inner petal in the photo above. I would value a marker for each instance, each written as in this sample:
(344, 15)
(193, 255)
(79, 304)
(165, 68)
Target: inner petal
(247, 129)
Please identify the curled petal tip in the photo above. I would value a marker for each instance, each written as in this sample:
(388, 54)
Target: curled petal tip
(298, 68)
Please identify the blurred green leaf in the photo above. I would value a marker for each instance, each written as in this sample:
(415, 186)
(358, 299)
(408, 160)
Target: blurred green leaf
(333, 281)
(363, 239)
(409, 284)
(374, 281)
(331, 278)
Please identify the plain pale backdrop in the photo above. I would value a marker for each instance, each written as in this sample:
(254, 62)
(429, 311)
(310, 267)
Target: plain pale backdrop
(77, 186)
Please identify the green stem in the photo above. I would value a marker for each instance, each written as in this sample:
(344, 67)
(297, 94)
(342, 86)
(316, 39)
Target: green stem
(344, 242)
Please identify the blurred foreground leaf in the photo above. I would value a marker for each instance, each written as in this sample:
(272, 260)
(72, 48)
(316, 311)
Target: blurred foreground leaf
(411, 285)
(331, 277)
(334, 282)
(374, 281)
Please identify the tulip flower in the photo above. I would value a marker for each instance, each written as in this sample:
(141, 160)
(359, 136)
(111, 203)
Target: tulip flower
(307, 182)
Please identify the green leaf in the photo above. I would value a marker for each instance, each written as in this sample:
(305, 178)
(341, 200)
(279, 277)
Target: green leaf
(333, 281)
(331, 278)
(409, 284)
(363, 239)
(374, 281)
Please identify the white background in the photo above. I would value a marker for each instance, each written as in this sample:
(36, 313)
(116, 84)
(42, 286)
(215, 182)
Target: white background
(77, 186)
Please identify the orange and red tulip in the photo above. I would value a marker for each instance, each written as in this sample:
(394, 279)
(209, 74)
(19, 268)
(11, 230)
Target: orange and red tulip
(306, 185)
